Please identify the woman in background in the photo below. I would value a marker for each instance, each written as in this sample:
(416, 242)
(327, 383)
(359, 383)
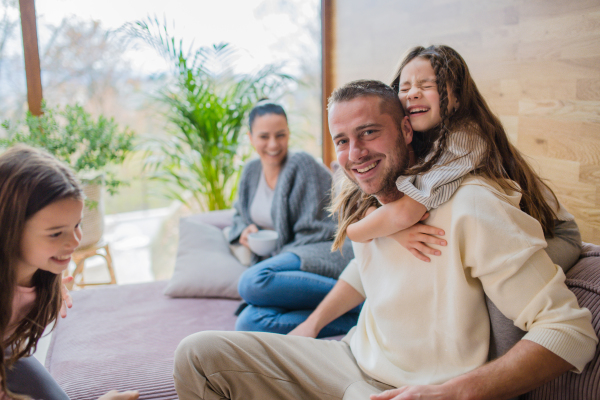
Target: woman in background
(289, 193)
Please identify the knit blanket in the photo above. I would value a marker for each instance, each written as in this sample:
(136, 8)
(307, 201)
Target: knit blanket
(124, 338)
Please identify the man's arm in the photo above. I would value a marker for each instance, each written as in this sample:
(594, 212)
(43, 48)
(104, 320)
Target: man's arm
(526, 366)
(341, 299)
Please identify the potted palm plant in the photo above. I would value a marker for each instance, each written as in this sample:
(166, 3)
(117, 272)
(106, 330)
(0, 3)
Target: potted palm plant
(91, 147)
(206, 105)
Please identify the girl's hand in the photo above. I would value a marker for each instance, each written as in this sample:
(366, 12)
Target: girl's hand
(66, 296)
(415, 239)
(244, 236)
(114, 395)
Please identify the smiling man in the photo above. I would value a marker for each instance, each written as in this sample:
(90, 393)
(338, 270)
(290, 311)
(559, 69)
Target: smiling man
(423, 331)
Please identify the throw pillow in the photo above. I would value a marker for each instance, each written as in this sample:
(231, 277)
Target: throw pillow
(204, 266)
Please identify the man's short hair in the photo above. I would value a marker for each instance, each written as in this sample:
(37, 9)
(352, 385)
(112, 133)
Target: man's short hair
(389, 103)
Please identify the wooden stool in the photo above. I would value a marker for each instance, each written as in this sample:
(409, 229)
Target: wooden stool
(79, 257)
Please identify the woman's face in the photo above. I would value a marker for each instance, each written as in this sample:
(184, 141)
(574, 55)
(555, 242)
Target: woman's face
(419, 94)
(269, 137)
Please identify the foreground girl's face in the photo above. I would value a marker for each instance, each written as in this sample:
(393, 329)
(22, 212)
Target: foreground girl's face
(419, 94)
(49, 239)
(269, 136)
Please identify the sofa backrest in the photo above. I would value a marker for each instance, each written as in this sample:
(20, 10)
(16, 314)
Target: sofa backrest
(584, 280)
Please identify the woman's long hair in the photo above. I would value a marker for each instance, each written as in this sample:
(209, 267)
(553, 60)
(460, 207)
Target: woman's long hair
(501, 161)
(30, 180)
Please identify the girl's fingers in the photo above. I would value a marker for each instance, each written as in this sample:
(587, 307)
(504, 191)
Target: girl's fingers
(423, 248)
(431, 239)
(419, 255)
(431, 230)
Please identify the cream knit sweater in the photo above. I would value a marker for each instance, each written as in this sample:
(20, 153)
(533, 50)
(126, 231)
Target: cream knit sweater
(425, 323)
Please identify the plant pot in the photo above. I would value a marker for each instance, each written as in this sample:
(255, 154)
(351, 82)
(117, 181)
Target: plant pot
(92, 224)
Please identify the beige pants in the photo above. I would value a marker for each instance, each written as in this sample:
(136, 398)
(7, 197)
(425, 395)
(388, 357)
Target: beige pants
(259, 366)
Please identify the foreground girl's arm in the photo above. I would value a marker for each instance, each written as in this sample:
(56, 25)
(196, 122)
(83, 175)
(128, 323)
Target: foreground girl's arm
(114, 395)
(387, 219)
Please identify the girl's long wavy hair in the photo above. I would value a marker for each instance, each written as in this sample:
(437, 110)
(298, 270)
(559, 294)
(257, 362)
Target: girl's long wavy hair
(501, 162)
(30, 180)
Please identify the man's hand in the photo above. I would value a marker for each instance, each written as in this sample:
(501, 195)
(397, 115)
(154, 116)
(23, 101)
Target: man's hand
(305, 329)
(433, 392)
(415, 239)
(66, 296)
(526, 366)
(244, 236)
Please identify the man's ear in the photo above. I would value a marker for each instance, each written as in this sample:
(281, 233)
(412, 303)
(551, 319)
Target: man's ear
(407, 130)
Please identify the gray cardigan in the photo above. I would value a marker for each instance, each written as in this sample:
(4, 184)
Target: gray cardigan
(299, 213)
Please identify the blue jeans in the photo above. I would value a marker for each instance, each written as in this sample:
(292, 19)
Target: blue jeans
(280, 296)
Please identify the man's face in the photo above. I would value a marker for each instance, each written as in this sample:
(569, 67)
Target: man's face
(369, 146)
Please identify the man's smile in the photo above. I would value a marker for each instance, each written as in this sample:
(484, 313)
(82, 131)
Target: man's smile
(367, 168)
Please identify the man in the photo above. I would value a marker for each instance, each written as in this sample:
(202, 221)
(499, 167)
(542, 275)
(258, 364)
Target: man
(423, 330)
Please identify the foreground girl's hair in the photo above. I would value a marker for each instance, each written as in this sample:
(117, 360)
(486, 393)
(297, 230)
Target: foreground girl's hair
(502, 160)
(30, 180)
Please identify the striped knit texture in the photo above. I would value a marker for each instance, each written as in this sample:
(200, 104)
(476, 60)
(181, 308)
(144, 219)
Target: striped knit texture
(124, 338)
(433, 188)
(584, 280)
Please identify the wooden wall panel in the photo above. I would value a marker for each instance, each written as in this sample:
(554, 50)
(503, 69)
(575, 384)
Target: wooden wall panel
(537, 62)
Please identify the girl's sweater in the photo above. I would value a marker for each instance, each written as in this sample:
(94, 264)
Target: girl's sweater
(22, 303)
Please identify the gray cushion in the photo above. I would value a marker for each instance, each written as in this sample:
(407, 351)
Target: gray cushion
(204, 266)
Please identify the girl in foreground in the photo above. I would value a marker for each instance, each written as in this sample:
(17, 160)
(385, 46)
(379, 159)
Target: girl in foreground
(40, 214)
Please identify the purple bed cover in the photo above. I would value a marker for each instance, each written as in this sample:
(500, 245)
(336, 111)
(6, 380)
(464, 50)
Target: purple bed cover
(89, 356)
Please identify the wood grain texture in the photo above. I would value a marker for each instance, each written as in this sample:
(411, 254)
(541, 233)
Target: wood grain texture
(537, 63)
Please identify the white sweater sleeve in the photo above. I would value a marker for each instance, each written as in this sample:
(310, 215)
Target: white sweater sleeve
(435, 187)
(522, 280)
(351, 276)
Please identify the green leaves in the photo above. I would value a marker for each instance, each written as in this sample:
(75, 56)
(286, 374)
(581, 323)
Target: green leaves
(72, 135)
(207, 106)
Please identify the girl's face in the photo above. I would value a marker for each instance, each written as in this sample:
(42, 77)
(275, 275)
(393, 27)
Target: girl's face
(269, 136)
(419, 94)
(49, 238)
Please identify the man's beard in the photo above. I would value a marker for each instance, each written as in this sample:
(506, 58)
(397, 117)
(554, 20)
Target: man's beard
(398, 164)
